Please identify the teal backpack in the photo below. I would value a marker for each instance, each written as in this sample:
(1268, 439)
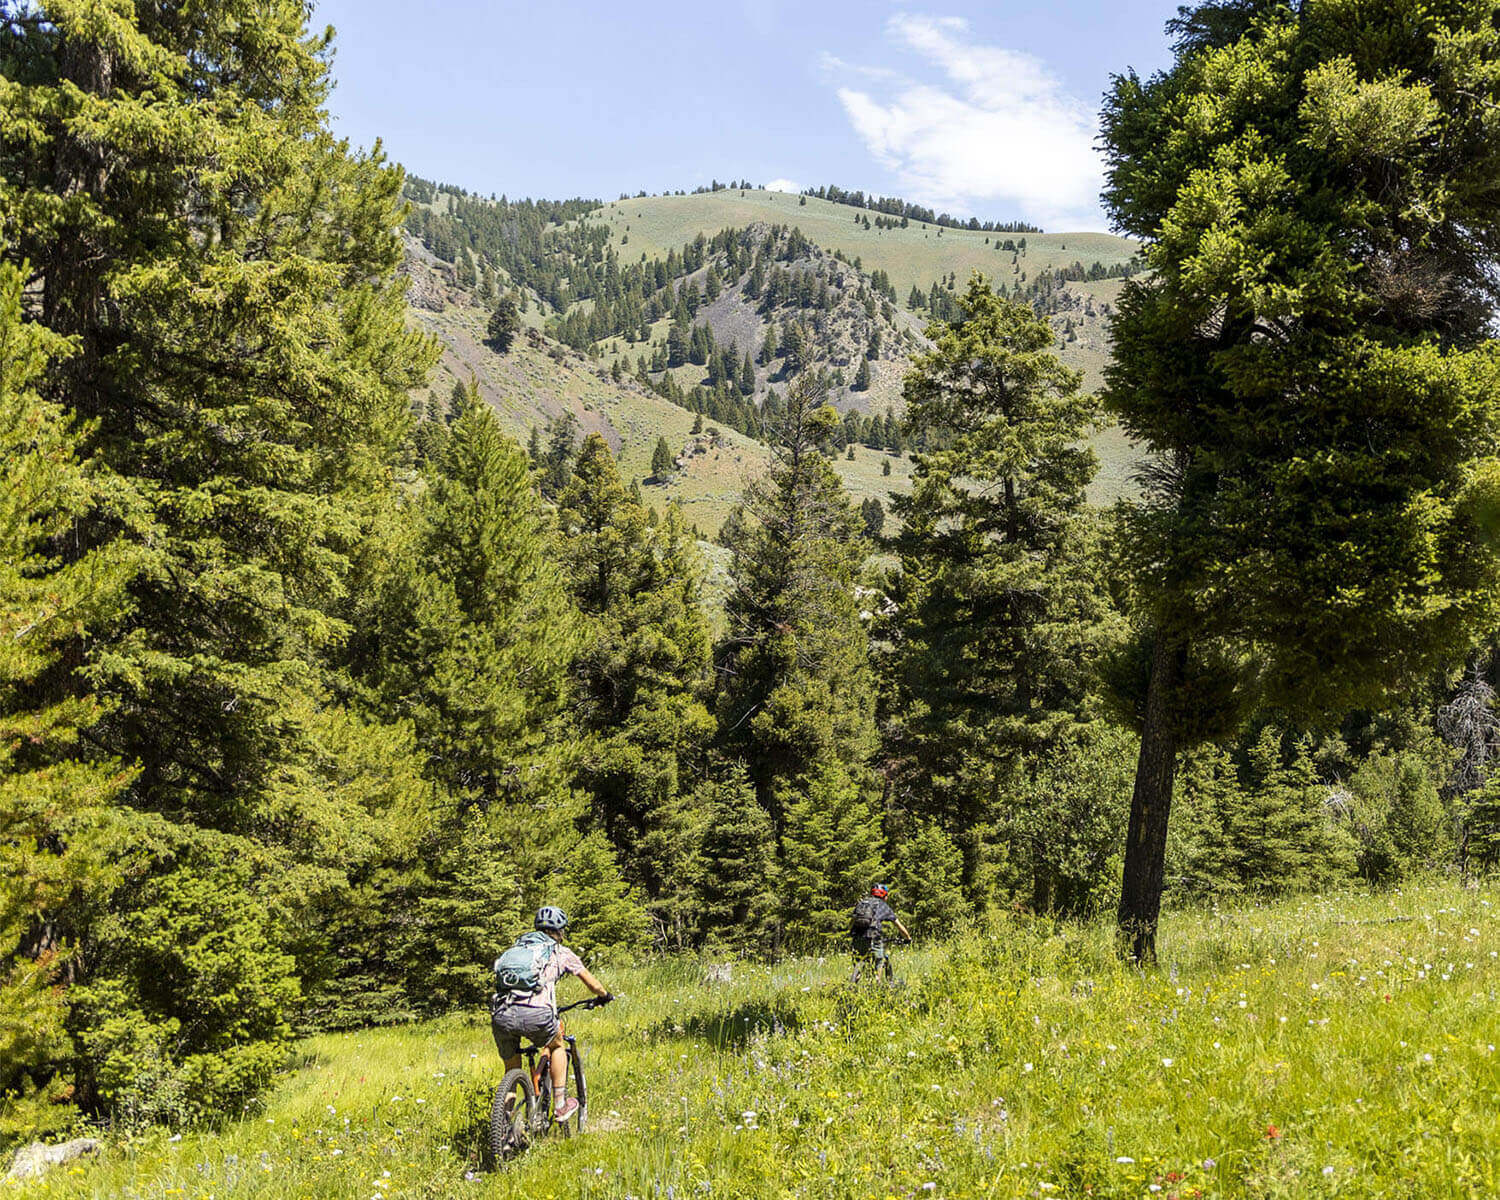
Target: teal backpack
(519, 969)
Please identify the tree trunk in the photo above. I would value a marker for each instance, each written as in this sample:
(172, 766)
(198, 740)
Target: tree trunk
(1150, 805)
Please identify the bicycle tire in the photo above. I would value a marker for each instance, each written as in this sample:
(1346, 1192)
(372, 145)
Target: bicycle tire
(511, 1125)
(580, 1089)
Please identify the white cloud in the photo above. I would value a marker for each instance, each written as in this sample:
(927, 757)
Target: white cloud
(998, 133)
(783, 185)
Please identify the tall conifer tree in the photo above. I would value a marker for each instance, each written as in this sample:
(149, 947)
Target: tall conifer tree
(1310, 364)
(997, 600)
(225, 271)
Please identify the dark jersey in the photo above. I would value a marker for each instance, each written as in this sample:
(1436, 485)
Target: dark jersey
(869, 917)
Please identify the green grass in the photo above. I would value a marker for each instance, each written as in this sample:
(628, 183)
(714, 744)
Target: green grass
(1338, 1046)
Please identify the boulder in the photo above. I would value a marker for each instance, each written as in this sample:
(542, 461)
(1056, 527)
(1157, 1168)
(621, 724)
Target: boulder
(35, 1160)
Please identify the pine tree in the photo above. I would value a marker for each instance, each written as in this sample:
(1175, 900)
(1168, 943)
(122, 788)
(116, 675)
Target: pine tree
(997, 596)
(927, 884)
(832, 848)
(862, 376)
(53, 800)
(504, 324)
(795, 663)
(609, 918)
(768, 346)
(737, 878)
(253, 386)
(557, 463)
(662, 462)
(476, 638)
(1336, 388)
(747, 376)
(640, 676)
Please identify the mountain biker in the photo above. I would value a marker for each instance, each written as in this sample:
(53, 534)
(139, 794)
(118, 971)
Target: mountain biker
(867, 929)
(532, 1014)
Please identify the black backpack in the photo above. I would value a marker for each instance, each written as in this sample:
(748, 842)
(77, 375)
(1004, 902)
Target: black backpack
(866, 919)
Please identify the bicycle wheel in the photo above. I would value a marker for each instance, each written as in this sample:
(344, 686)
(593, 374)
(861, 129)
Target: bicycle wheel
(580, 1087)
(511, 1115)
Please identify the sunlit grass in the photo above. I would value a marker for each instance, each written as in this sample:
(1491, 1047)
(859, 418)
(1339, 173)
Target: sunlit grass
(1340, 1046)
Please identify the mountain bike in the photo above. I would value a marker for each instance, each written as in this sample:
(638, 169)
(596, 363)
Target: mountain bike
(523, 1102)
(879, 958)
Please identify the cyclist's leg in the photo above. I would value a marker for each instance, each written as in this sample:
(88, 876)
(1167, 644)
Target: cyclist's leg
(558, 1061)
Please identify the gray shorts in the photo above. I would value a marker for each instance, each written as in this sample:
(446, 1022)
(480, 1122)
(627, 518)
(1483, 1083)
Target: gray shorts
(511, 1023)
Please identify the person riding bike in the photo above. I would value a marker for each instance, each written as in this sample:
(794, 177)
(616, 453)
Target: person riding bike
(867, 929)
(525, 1004)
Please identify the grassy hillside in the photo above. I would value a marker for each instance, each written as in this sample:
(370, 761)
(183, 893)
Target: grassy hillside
(655, 225)
(540, 380)
(1323, 1047)
(911, 256)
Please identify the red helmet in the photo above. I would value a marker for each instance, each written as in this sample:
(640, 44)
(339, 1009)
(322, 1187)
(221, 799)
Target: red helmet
(879, 891)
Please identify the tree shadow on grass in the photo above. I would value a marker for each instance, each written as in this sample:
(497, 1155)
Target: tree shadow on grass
(729, 1028)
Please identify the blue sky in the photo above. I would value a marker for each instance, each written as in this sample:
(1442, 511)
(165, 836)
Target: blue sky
(982, 109)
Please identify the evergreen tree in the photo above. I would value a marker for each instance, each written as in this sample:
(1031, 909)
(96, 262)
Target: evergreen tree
(872, 513)
(640, 676)
(768, 346)
(557, 464)
(747, 376)
(797, 691)
(505, 323)
(1310, 362)
(997, 597)
(1266, 828)
(831, 850)
(737, 878)
(476, 637)
(662, 462)
(252, 385)
(862, 376)
(927, 884)
(54, 801)
(609, 923)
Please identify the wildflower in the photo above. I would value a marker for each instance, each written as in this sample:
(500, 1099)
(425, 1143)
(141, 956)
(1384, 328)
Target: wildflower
(1027, 1067)
(1272, 1133)
(1209, 1164)
(1328, 1171)
(1124, 1160)
(1166, 1062)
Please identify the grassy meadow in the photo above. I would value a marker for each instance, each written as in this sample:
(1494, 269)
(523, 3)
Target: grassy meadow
(1336, 1046)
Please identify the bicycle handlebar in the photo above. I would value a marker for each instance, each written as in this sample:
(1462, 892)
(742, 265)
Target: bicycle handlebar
(586, 1002)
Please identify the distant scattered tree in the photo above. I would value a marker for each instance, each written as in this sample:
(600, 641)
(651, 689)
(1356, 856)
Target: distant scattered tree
(872, 512)
(662, 462)
(505, 323)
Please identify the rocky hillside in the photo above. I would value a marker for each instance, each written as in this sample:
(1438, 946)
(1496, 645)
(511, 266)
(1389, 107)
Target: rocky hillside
(540, 381)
